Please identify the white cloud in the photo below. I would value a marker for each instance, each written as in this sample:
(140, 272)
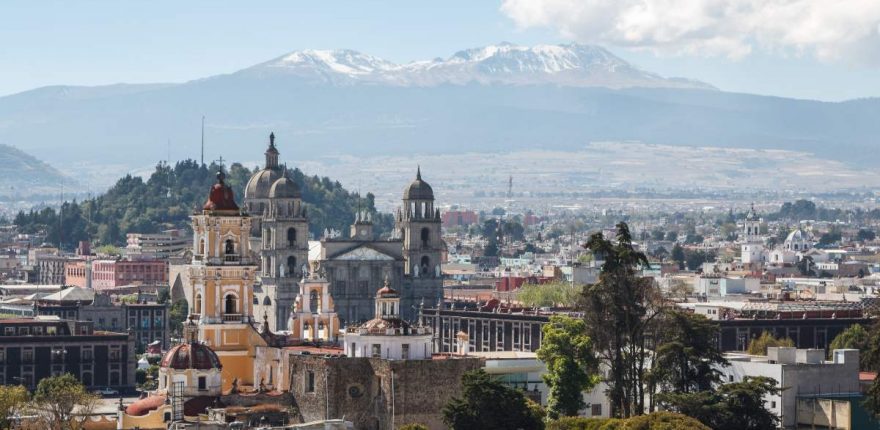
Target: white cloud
(830, 30)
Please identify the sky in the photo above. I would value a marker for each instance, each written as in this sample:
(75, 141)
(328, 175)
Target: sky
(814, 49)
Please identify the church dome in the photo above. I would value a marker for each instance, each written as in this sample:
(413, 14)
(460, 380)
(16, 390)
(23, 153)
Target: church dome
(191, 356)
(284, 188)
(386, 291)
(797, 235)
(418, 189)
(381, 326)
(260, 184)
(221, 196)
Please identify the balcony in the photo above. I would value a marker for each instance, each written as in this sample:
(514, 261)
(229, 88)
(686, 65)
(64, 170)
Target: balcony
(233, 318)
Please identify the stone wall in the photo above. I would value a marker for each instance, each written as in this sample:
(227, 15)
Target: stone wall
(362, 391)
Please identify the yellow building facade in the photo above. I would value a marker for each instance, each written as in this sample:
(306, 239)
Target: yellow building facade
(222, 277)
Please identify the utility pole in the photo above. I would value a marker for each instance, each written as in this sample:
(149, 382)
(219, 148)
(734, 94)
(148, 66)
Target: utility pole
(203, 140)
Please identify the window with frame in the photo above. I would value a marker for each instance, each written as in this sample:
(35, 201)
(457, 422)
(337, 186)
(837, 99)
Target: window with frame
(203, 383)
(24, 331)
(27, 355)
(310, 381)
(9, 331)
(404, 351)
(114, 353)
(2, 355)
(38, 331)
(376, 351)
(596, 409)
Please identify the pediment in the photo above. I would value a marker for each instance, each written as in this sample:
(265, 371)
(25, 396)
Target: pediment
(363, 253)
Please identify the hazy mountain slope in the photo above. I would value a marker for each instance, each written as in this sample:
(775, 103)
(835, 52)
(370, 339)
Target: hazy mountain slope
(319, 105)
(20, 171)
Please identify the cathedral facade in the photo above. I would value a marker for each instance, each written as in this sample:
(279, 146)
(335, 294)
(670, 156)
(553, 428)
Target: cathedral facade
(356, 266)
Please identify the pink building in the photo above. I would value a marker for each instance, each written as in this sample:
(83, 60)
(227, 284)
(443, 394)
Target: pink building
(117, 273)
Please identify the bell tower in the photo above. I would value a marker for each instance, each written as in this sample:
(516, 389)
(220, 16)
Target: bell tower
(222, 275)
(419, 225)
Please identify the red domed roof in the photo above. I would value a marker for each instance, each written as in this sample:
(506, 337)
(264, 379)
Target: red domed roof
(386, 291)
(144, 406)
(221, 197)
(191, 356)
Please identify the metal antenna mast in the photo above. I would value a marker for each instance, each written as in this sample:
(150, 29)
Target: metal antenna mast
(203, 140)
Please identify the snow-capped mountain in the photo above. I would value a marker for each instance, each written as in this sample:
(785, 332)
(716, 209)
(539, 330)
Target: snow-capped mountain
(505, 63)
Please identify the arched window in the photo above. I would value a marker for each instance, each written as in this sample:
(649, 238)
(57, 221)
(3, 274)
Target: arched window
(202, 247)
(231, 304)
(291, 236)
(198, 304)
(314, 305)
(230, 247)
(267, 301)
(291, 266)
(256, 300)
(425, 263)
(426, 236)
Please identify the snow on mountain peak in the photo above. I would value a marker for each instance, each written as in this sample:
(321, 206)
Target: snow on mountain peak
(503, 63)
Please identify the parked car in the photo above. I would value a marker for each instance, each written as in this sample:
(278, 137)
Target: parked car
(107, 391)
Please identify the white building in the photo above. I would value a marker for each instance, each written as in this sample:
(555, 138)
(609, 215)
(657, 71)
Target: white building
(162, 245)
(387, 335)
(798, 372)
(720, 286)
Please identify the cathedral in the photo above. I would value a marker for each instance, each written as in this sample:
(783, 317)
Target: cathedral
(355, 267)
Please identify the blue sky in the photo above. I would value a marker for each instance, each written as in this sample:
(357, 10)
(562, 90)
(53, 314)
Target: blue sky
(93, 43)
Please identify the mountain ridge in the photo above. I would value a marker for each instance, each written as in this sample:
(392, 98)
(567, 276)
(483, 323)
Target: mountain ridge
(320, 111)
(503, 63)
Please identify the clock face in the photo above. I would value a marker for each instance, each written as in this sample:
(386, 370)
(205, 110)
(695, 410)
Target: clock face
(363, 232)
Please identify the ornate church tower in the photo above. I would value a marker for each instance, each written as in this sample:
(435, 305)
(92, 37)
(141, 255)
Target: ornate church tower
(280, 236)
(221, 282)
(752, 227)
(284, 251)
(419, 225)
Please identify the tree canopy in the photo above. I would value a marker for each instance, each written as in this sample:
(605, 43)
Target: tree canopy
(552, 294)
(57, 397)
(572, 367)
(759, 345)
(687, 358)
(486, 403)
(168, 197)
(733, 406)
(618, 311)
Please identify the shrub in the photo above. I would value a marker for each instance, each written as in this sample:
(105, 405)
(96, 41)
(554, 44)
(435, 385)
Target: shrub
(414, 426)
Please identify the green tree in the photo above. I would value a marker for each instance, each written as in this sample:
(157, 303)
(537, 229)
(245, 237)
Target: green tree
(678, 255)
(618, 311)
(865, 235)
(687, 358)
(486, 403)
(759, 345)
(413, 426)
(652, 421)
(671, 236)
(657, 234)
(56, 398)
(178, 313)
(12, 398)
(571, 364)
(733, 406)
(854, 337)
(551, 294)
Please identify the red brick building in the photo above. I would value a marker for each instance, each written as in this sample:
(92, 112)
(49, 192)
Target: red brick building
(117, 273)
(459, 218)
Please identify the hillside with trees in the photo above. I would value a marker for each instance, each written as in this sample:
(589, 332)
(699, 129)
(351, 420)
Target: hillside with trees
(171, 194)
